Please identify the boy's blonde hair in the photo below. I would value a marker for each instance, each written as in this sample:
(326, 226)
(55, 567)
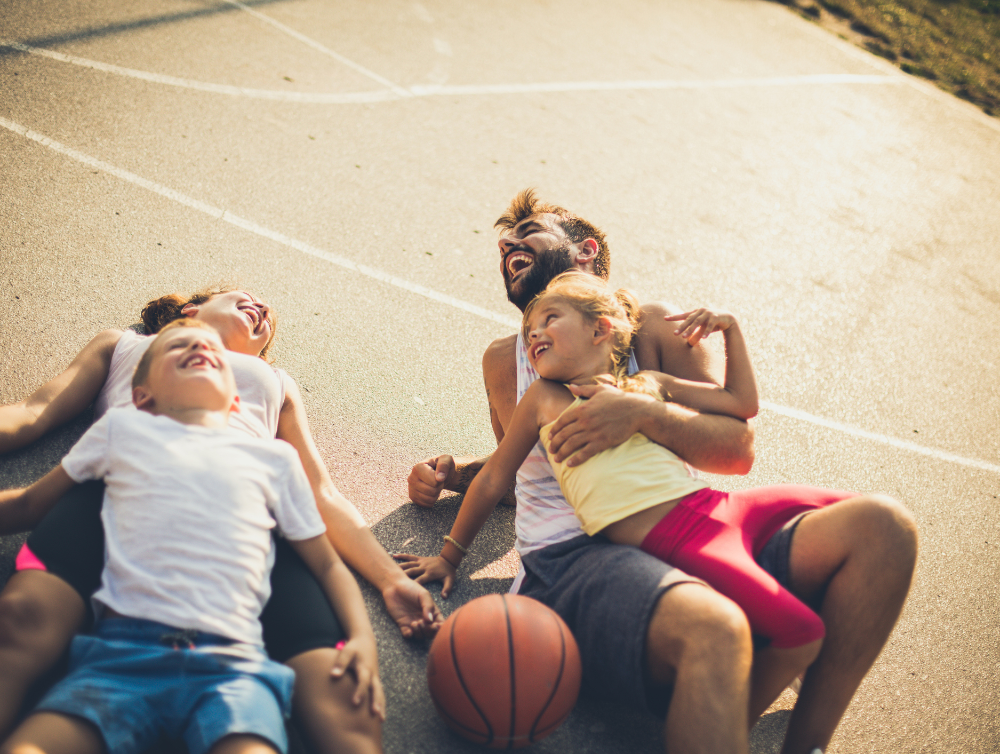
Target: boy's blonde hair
(142, 368)
(591, 296)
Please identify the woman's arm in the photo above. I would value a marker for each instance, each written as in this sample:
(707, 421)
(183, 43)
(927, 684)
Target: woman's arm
(21, 510)
(359, 652)
(409, 604)
(489, 486)
(738, 396)
(61, 398)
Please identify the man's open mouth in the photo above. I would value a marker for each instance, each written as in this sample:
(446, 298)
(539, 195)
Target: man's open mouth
(518, 261)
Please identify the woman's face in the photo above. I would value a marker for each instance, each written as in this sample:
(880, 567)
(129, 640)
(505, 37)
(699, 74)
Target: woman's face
(243, 321)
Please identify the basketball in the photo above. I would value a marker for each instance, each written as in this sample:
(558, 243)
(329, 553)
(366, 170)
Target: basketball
(504, 671)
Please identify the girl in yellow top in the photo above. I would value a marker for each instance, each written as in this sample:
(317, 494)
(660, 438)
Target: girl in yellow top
(639, 493)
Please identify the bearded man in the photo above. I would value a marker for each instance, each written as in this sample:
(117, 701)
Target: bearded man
(647, 632)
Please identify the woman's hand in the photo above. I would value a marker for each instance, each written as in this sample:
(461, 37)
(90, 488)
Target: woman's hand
(700, 323)
(359, 656)
(413, 609)
(428, 570)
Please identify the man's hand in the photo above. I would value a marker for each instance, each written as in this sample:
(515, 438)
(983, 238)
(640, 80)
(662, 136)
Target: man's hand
(413, 609)
(428, 570)
(608, 418)
(428, 479)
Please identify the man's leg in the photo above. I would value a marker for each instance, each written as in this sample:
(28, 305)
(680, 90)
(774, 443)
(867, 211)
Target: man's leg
(699, 641)
(51, 733)
(39, 613)
(854, 561)
(324, 710)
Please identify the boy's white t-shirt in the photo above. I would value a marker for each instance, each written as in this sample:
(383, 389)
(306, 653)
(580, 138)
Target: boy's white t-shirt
(188, 513)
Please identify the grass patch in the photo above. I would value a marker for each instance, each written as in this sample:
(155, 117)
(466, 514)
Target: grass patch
(955, 43)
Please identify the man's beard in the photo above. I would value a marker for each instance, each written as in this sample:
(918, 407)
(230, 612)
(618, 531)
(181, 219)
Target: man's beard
(546, 266)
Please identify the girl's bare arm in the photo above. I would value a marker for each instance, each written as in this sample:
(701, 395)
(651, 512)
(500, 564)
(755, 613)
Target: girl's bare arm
(485, 491)
(738, 396)
(61, 398)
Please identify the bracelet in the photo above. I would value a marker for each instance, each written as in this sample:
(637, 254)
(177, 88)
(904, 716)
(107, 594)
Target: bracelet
(448, 562)
(452, 540)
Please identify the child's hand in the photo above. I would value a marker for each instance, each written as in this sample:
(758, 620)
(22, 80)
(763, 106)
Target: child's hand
(359, 655)
(427, 570)
(700, 323)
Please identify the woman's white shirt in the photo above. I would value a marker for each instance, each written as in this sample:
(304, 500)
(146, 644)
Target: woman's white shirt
(260, 386)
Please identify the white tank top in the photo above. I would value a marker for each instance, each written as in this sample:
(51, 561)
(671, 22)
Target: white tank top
(543, 516)
(261, 387)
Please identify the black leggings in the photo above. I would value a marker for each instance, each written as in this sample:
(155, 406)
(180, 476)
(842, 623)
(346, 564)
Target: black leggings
(70, 543)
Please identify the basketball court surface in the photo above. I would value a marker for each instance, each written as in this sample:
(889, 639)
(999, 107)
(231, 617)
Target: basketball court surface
(346, 161)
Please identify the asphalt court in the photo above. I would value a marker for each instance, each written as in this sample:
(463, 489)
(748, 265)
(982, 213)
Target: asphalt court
(347, 163)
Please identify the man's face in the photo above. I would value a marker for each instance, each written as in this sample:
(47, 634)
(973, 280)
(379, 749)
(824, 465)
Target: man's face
(531, 254)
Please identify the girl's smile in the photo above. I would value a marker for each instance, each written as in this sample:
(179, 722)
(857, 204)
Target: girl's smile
(563, 346)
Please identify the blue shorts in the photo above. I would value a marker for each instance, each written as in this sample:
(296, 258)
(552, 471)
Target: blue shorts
(137, 681)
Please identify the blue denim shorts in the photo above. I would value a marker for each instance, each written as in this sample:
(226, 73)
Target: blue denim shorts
(138, 680)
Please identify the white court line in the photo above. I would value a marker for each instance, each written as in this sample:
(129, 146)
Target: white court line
(395, 92)
(420, 290)
(234, 91)
(321, 48)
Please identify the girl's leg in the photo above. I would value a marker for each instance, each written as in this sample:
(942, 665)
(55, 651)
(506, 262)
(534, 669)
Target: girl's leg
(243, 744)
(302, 631)
(51, 733)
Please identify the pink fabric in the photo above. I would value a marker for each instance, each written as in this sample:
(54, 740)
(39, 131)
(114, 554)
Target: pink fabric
(27, 560)
(715, 536)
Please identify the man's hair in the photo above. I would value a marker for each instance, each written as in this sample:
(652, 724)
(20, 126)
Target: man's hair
(142, 368)
(526, 204)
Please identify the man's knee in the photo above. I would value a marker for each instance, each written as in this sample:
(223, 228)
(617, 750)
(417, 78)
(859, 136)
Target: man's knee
(694, 626)
(892, 529)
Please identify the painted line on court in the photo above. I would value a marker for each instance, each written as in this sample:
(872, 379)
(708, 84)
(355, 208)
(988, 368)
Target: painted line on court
(260, 230)
(394, 92)
(322, 48)
(941, 455)
(420, 290)
(233, 91)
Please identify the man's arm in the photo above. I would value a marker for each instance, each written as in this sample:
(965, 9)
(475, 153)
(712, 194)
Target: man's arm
(716, 444)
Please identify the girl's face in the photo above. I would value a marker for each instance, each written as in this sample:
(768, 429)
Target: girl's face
(242, 320)
(564, 346)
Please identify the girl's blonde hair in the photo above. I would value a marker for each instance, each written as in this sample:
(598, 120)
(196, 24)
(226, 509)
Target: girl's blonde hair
(591, 296)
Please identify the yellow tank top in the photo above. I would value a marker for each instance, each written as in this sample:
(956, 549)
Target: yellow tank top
(622, 480)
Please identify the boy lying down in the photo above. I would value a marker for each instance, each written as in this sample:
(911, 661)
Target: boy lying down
(188, 513)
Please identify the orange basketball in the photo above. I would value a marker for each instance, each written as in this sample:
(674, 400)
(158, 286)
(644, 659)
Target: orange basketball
(504, 671)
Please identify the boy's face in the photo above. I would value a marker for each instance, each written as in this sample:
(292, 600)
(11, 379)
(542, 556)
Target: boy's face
(189, 370)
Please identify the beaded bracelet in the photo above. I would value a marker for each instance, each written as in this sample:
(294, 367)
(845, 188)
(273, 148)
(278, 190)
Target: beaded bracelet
(455, 542)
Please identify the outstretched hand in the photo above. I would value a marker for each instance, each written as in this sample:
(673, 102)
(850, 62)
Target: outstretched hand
(698, 324)
(428, 478)
(428, 570)
(413, 609)
(608, 418)
(359, 656)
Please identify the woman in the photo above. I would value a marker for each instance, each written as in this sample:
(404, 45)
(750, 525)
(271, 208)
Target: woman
(47, 599)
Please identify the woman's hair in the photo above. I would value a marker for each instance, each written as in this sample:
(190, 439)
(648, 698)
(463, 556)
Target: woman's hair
(160, 312)
(591, 296)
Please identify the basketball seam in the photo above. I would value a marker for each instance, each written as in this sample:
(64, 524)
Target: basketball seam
(513, 678)
(465, 688)
(555, 687)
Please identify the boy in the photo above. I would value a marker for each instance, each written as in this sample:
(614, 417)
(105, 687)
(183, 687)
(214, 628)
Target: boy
(188, 518)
